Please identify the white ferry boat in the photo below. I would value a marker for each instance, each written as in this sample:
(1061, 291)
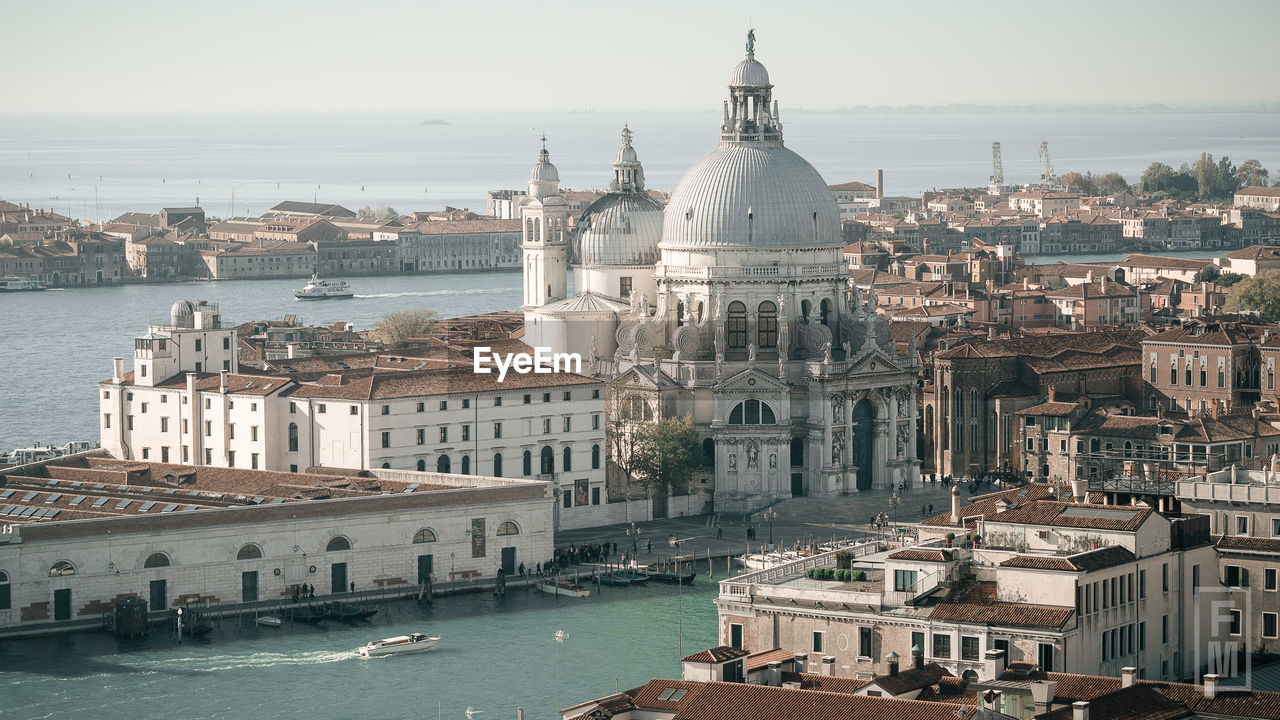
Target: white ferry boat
(14, 284)
(398, 644)
(319, 289)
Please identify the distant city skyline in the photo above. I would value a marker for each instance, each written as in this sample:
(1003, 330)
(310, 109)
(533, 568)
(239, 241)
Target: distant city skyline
(439, 58)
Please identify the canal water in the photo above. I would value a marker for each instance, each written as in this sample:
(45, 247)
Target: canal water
(495, 654)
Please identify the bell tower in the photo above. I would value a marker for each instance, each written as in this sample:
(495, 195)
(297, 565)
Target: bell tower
(545, 216)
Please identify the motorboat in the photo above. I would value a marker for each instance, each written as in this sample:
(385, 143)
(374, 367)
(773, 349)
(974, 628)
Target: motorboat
(269, 621)
(563, 587)
(398, 644)
(636, 577)
(318, 289)
(14, 284)
(310, 614)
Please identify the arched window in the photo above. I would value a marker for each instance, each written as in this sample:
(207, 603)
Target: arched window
(155, 560)
(466, 464)
(386, 466)
(338, 543)
(679, 313)
(422, 465)
(825, 310)
(635, 408)
(767, 325)
(249, 552)
(806, 309)
(595, 457)
(737, 325)
(752, 412)
(508, 528)
(293, 437)
(548, 461)
(62, 567)
(497, 464)
(528, 463)
(567, 465)
(442, 464)
(1128, 448)
(425, 535)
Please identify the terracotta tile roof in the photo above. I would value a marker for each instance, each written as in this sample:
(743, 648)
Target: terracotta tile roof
(1051, 347)
(1088, 561)
(1225, 428)
(1138, 702)
(721, 654)
(986, 505)
(910, 679)
(737, 701)
(1248, 544)
(1097, 289)
(1050, 408)
(922, 555)
(1256, 252)
(646, 696)
(758, 660)
(1003, 614)
(1205, 334)
(1154, 261)
(1125, 518)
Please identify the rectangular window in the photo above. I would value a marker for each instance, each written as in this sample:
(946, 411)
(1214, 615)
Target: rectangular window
(546, 397)
(253, 461)
(1195, 576)
(208, 456)
(1164, 577)
(1142, 636)
(864, 642)
(386, 438)
(1142, 584)
(386, 410)
(231, 458)
(546, 426)
(466, 432)
(1269, 624)
(624, 287)
(128, 422)
(595, 496)
(1242, 524)
(904, 580)
(320, 408)
(144, 408)
(735, 635)
(497, 430)
(1164, 628)
(497, 402)
(1235, 622)
(293, 408)
(422, 407)
(817, 641)
(1106, 646)
(226, 343)
(567, 395)
(1231, 576)
(466, 403)
(231, 431)
(595, 422)
(1269, 579)
(146, 453)
(422, 436)
(354, 409)
(941, 646)
(568, 423)
(199, 342)
(527, 398)
(164, 424)
(969, 648)
(444, 434)
(444, 404)
(253, 433)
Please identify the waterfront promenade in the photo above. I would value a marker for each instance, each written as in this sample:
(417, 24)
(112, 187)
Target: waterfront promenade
(799, 519)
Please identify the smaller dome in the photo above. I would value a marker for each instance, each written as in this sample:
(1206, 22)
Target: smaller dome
(543, 170)
(750, 73)
(182, 314)
(620, 229)
(626, 154)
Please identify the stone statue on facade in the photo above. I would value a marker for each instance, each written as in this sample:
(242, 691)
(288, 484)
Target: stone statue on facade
(902, 440)
(753, 455)
(751, 352)
(751, 40)
(773, 461)
(837, 409)
(733, 461)
(837, 447)
(848, 349)
(644, 305)
(826, 352)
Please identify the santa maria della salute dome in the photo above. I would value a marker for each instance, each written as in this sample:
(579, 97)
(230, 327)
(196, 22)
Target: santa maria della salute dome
(731, 304)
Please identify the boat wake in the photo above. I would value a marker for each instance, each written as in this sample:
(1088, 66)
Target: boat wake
(261, 660)
(429, 293)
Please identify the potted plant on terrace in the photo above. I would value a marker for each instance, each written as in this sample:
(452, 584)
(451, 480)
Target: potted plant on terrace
(950, 536)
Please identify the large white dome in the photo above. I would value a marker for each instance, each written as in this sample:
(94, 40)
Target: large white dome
(751, 194)
(620, 229)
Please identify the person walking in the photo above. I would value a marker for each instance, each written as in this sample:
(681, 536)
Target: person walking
(353, 586)
(719, 532)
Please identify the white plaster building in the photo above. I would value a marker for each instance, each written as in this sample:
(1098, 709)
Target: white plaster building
(92, 530)
(394, 412)
(738, 311)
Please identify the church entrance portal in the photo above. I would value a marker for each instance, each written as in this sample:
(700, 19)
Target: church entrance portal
(864, 414)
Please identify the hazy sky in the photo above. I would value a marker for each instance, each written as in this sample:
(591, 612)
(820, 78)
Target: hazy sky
(546, 55)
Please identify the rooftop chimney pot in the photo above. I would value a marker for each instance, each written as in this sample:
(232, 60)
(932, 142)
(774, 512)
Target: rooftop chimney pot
(1127, 676)
(1210, 686)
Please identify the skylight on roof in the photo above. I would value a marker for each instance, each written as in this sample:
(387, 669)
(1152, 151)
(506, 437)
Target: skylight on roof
(29, 496)
(77, 500)
(53, 497)
(672, 694)
(147, 506)
(100, 502)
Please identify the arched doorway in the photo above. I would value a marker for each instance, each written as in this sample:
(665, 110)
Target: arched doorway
(864, 415)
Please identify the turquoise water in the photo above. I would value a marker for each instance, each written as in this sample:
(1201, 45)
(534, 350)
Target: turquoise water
(495, 655)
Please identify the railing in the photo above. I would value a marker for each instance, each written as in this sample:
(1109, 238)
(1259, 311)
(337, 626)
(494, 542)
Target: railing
(743, 586)
(706, 272)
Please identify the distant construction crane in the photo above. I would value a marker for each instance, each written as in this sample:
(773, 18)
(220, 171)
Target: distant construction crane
(1047, 177)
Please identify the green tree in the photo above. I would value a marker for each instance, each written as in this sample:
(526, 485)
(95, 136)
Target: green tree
(1260, 293)
(665, 454)
(1251, 173)
(1206, 173)
(383, 213)
(396, 329)
(1208, 273)
(1112, 182)
(1158, 177)
(1084, 184)
(1228, 279)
